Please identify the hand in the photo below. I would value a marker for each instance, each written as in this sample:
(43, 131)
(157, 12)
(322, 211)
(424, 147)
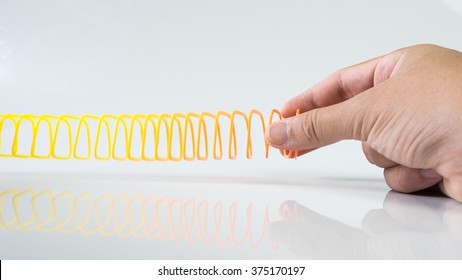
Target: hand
(405, 107)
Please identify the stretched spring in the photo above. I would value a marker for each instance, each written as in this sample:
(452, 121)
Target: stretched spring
(138, 137)
(137, 217)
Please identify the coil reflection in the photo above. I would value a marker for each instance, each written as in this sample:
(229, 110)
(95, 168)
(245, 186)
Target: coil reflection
(152, 217)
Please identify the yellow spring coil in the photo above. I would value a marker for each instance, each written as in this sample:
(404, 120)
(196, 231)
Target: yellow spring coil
(83, 143)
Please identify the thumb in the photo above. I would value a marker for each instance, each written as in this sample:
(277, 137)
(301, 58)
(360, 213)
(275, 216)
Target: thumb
(351, 119)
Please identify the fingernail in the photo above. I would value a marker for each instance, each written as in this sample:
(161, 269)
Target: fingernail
(429, 174)
(278, 133)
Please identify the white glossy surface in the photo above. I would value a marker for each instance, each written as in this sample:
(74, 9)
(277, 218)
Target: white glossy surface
(147, 217)
(77, 57)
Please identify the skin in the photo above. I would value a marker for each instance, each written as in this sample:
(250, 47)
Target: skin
(405, 107)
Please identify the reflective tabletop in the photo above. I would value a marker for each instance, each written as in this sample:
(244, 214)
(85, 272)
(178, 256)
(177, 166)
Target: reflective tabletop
(84, 216)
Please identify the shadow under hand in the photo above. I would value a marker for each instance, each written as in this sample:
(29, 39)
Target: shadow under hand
(417, 226)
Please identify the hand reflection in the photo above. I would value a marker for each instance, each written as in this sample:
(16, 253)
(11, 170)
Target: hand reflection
(408, 227)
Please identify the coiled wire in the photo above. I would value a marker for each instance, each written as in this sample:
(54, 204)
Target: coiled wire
(139, 136)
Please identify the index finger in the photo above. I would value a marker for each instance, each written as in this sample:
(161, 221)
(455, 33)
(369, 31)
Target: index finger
(338, 87)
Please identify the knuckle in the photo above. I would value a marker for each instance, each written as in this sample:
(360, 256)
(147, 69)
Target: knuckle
(376, 158)
(310, 128)
(367, 150)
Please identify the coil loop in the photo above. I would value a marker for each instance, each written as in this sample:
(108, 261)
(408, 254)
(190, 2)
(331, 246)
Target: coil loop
(139, 137)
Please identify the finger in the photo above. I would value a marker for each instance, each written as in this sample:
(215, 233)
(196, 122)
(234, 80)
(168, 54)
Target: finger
(375, 158)
(352, 119)
(452, 187)
(404, 179)
(337, 87)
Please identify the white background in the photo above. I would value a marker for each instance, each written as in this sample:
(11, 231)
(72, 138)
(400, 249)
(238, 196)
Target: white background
(96, 57)
(77, 57)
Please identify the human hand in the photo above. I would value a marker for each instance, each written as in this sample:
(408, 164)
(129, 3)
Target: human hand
(405, 107)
